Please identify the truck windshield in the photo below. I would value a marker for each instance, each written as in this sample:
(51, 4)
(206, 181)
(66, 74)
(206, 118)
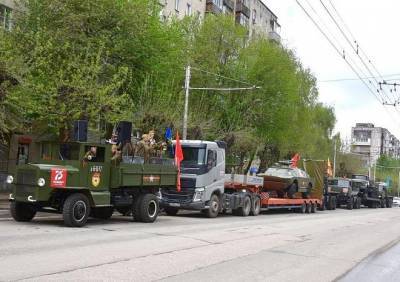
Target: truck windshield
(339, 182)
(193, 156)
(358, 184)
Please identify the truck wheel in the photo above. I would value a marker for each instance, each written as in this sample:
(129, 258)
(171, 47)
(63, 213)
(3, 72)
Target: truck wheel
(171, 211)
(358, 203)
(245, 210)
(350, 204)
(22, 212)
(330, 203)
(103, 212)
(313, 207)
(146, 208)
(214, 208)
(334, 203)
(124, 210)
(383, 203)
(256, 206)
(76, 210)
(388, 203)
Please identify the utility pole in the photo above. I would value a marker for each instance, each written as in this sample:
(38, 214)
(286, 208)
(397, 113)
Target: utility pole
(188, 88)
(186, 110)
(334, 159)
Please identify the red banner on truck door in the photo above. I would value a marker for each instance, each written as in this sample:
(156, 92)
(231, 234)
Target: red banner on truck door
(58, 178)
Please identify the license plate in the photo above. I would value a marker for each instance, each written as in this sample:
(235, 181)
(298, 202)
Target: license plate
(174, 205)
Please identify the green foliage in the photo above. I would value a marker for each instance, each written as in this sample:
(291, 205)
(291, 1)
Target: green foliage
(112, 60)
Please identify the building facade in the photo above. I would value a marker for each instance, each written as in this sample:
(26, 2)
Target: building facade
(373, 142)
(6, 12)
(253, 14)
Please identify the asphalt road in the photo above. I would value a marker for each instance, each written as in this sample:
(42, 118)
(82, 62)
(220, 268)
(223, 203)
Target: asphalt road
(271, 247)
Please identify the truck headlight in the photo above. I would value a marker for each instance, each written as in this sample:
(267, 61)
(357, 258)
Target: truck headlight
(10, 179)
(41, 182)
(198, 194)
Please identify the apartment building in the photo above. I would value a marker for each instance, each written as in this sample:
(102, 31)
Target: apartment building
(253, 14)
(182, 8)
(373, 142)
(6, 8)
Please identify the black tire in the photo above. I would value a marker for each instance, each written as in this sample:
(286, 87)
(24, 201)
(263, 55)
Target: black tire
(358, 203)
(76, 210)
(389, 203)
(308, 207)
(171, 211)
(350, 204)
(330, 203)
(303, 208)
(103, 212)
(146, 208)
(313, 207)
(255, 206)
(125, 210)
(383, 203)
(22, 212)
(246, 208)
(334, 204)
(214, 207)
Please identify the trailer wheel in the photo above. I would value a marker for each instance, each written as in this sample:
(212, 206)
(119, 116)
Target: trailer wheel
(245, 209)
(308, 207)
(103, 212)
(313, 207)
(171, 211)
(76, 210)
(22, 212)
(256, 206)
(214, 207)
(303, 208)
(146, 208)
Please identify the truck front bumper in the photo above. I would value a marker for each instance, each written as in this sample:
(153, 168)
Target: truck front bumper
(183, 205)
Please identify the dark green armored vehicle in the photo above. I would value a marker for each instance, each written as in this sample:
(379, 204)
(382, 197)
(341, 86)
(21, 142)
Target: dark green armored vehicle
(79, 180)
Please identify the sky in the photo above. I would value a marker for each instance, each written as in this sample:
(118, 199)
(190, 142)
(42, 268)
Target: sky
(375, 26)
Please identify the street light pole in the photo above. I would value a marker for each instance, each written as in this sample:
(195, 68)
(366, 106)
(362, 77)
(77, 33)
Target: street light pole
(186, 110)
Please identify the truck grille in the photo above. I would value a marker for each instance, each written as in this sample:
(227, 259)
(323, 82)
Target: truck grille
(26, 177)
(173, 196)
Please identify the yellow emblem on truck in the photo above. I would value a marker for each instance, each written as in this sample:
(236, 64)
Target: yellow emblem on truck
(96, 179)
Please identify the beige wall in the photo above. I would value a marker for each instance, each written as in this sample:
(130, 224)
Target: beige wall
(260, 19)
(198, 7)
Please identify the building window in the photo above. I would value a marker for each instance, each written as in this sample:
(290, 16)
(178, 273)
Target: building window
(5, 17)
(188, 10)
(177, 5)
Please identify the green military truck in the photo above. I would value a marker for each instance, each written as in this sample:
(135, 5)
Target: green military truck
(80, 179)
(343, 192)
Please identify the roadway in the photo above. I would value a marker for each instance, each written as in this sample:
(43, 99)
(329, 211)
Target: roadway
(277, 246)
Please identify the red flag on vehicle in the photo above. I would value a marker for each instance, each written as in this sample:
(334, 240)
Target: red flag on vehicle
(178, 159)
(294, 160)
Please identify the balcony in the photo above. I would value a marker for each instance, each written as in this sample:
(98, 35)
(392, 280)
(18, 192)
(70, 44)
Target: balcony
(212, 7)
(229, 5)
(362, 142)
(274, 36)
(242, 8)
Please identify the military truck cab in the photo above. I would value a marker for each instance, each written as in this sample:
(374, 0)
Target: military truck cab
(203, 184)
(373, 195)
(345, 194)
(80, 179)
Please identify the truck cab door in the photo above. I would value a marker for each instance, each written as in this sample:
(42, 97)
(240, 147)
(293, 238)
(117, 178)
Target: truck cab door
(96, 169)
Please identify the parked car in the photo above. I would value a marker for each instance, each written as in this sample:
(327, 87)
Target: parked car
(287, 181)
